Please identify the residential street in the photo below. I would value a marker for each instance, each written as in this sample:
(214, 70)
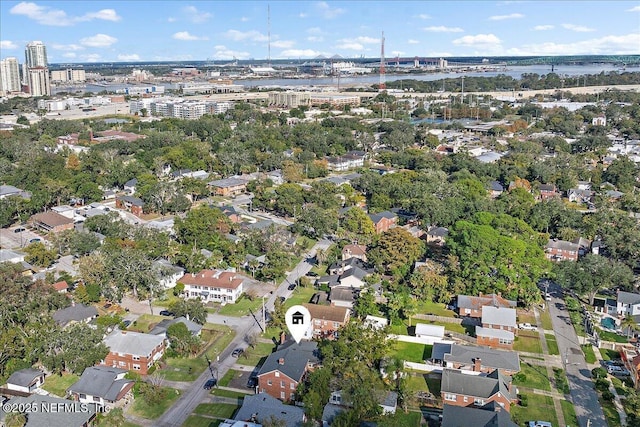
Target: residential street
(583, 394)
(195, 394)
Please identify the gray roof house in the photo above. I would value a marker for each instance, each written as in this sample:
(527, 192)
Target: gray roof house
(10, 190)
(477, 358)
(261, 406)
(76, 414)
(102, 385)
(162, 326)
(25, 380)
(498, 316)
(462, 389)
(75, 313)
(489, 415)
(628, 303)
(294, 357)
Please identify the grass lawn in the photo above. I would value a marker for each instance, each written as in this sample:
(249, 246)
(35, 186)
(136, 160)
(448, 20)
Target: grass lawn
(220, 336)
(231, 374)
(562, 384)
(539, 408)
(272, 333)
(589, 355)
(412, 352)
(609, 354)
(552, 344)
(528, 341)
(569, 413)
(228, 393)
(253, 356)
(221, 410)
(526, 316)
(196, 421)
(242, 307)
(140, 408)
(146, 322)
(611, 336)
(299, 296)
(410, 419)
(58, 385)
(183, 368)
(545, 318)
(435, 308)
(610, 413)
(532, 376)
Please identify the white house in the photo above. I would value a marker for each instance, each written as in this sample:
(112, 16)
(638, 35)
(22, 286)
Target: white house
(25, 380)
(168, 273)
(628, 304)
(213, 285)
(432, 333)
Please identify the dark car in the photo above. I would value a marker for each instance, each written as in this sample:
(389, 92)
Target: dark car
(36, 240)
(291, 286)
(126, 323)
(19, 230)
(312, 274)
(237, 352)
(253, 381)
(166, 313)
(210, 384)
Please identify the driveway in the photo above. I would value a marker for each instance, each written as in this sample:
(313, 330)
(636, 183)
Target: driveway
(583, 394)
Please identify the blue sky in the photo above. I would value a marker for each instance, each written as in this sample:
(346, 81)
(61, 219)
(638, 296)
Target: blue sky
(90, 31)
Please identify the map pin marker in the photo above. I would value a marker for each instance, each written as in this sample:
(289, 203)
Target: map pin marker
(298, 321)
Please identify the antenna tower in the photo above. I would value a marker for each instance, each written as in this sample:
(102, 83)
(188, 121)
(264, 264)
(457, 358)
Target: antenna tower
(269, 35)
(383, 82)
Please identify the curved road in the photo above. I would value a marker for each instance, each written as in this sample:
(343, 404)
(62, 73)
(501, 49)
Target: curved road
(583, 393)
(195, 394)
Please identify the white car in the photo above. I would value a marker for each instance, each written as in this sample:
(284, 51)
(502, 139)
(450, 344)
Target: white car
(527, 327)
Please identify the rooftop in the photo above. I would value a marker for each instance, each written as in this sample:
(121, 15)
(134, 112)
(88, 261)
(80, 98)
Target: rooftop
(102, 381)
(134, 343)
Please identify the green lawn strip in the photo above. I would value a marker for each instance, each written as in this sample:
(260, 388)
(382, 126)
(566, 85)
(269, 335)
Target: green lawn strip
(183, 368)
(410, 419)
(562, 384)
(196, 421)
(539, 407)
(526, 316)
(532, 376)
(545, 318)
(229, 393)
(621, 388)
(230, 375)
(528, 341)
(218, 336)
(142, 409)
(299, 296)
(272, 333)
(411, 352)
(58, 385)
(435, 308)
(609, 354)
(252, 356)
(569, 412)
(610, 413)
(611, 336)
(589, 355)
(146, 322)
(242, 307)
(552, 344)
(220, 410)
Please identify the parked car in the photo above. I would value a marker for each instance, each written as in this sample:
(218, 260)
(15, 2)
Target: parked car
(527, 327)
(237, 352)
(19, 230)
(253, 381)
(539, 424)
(126, 323)
(210, 384)
(291, 286)
(312, 274)
(166, 313)
(35, 240)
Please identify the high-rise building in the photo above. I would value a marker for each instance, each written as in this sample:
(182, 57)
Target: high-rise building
(68, 76)
(37, 69)
(9, 76)
(35, 55)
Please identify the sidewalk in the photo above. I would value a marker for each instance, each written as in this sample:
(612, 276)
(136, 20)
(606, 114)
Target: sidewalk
(612, 389)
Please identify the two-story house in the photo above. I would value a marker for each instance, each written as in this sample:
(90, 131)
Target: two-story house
(133, 351)
(131, 204)
(213, 286)
(461, 389)
(326, 320)
(489, 415)
(475, 358)
(561, 250)
(498, 328)
(628, 304)
(548, 191)
(354, 251)
(384, 221)
(51, 222)
(471, 306)
(228, 186)
(285, 368)
(104, 386)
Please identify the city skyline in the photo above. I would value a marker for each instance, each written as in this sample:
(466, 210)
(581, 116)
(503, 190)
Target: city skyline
(98, 31)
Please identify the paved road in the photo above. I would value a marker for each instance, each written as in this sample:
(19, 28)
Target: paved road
(184, 406)
(583, 394)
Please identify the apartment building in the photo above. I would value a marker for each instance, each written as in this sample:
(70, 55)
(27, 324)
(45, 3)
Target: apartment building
(133, 351)
(213, 285)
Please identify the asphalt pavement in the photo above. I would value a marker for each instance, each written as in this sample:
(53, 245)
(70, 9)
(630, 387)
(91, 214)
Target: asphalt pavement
(583, 394)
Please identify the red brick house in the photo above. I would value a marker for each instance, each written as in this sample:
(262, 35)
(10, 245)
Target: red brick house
(383, 221)
(498, 328)
(133, 351)
(285, 368)
(61, 287)
(51, 222)
(229, 186)
(561, 250)
(470, 306)
(326, 320)
(461, 389)
(130, 204)
(548, 191)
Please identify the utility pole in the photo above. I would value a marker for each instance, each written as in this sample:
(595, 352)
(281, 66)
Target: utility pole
(264, 316)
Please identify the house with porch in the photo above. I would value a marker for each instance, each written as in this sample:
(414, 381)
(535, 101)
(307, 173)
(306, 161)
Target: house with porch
(104, 386)
(213, 286)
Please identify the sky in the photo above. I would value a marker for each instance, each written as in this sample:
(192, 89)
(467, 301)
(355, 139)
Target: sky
(126, 31)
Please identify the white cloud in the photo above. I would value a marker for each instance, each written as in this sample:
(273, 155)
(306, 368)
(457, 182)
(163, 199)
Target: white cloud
(92, 57)
(356, 43)
(484, 41)
(7, 44)
(67, 47)
(443, 29)
(315, 39)
(196, 15)
(99, 40)
(253, 35)
(283, 44)
(503, 17)
(222, 52)
(302, 15)
(184, 35)
(424, 16)
(412, 41)
(350, 46)
(244, 19)
(314, 30)
(543, 27)
(171, 19)
(607, 45)
(634, 9)
(129, 57)
(46, 15)
(301, 53)
(577, 28)
(69, 55)
(327, 11)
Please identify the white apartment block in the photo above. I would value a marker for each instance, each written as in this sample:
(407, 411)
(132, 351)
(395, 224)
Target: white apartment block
(289, 99)
(68, 76)
(35, 55)
(38, 80)
(213, 286)
(9, 76)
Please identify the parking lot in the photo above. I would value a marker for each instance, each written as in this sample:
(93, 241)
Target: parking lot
(10, 239)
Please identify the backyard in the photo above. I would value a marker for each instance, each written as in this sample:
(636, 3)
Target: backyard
(141, 408)
(539, 407)
(411, 352)
(58, 384)
(532, 376)
(528, 341)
